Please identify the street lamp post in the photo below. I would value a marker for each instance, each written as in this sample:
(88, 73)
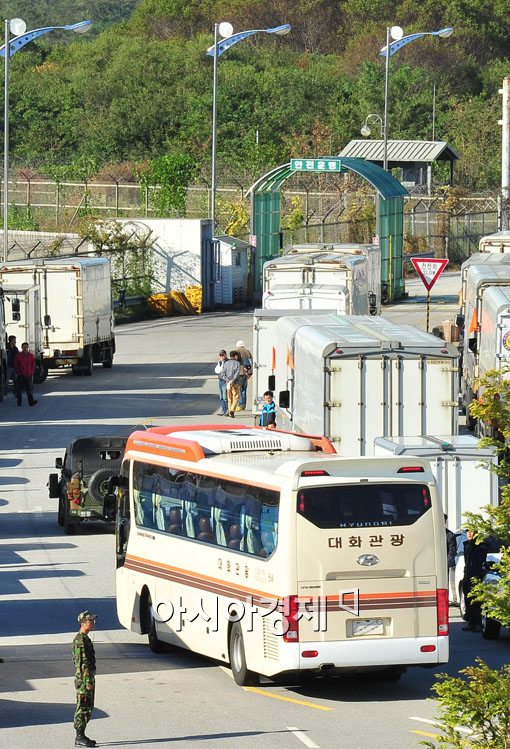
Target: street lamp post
(371, 120)
(399, 41)
(18, 27)
(226, 31)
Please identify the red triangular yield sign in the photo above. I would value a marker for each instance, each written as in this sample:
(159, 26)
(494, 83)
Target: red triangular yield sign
(429, 269)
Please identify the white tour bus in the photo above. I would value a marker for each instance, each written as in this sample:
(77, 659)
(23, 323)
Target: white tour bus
(268, 551)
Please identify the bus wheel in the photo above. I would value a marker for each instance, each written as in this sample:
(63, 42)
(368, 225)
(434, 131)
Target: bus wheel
(242, 676)
(155, 643)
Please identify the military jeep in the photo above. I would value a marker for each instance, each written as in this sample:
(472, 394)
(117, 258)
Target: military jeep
(85, 472)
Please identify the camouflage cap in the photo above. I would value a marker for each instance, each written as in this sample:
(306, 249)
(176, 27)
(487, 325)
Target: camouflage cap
(86, 616)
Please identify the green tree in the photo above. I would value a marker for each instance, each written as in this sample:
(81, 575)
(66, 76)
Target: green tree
(481, 700)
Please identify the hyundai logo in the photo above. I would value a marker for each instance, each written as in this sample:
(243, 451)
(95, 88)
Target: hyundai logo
(368, 560)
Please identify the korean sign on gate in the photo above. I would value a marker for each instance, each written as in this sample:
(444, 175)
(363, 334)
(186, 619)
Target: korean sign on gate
(316, 165)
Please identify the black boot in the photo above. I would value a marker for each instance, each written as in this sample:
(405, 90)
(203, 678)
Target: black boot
(82, 740)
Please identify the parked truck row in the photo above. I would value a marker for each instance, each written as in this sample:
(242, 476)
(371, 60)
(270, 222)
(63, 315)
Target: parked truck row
(484, 317)
(63, 309)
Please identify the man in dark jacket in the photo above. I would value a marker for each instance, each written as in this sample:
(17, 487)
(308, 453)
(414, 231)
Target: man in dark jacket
(12, 352)
(451, 551)
(24, 364)
(475, 555)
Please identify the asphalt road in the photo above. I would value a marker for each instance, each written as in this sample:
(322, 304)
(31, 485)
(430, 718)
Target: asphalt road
(163, 372)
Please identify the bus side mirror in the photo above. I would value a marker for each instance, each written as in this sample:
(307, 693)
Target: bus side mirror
(15, 306)
(58, 463)
(47, 321)
(284, 398)
(459, 321)
(271, 382)
(109, 506)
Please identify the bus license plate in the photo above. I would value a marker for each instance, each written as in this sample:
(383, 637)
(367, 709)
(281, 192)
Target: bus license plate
(367, 627)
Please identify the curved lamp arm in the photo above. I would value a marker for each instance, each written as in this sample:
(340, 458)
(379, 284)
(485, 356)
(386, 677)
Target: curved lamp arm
(225, 44)
(19, 41)
(395, 46)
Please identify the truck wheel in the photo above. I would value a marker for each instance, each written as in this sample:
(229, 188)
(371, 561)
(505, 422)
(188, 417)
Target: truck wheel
(69, 526)
(60, 514)
(98, 484)
(242, 676)
(490, 628)
(108, 362)
(88, 362)
(41, 373)
(54, 486)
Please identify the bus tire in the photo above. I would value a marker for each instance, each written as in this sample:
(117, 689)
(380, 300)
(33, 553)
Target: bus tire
(242, 676)
(155, 643)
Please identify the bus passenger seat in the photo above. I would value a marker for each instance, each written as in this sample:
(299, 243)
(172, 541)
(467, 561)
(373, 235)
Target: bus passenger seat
(234, 536)
(205, 532)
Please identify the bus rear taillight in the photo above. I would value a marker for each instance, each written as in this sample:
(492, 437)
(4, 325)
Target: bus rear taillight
(290, 619)
(442, 611)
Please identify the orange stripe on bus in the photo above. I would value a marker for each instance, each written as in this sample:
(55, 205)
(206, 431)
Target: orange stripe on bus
(225, 587)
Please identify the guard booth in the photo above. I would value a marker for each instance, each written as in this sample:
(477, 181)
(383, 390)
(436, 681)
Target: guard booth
(266, 214)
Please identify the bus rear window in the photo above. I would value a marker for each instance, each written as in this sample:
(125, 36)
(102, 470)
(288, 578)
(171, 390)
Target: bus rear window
(363, 505)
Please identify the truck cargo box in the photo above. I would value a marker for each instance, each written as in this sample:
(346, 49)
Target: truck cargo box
(318, 280)
(76, 308)
(462, 470)
(353, 379)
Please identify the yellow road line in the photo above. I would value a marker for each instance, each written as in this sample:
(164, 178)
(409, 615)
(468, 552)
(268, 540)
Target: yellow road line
(286, 699)
(424, 733)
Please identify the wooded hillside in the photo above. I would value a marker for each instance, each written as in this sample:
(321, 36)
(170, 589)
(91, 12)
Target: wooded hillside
(143, 88)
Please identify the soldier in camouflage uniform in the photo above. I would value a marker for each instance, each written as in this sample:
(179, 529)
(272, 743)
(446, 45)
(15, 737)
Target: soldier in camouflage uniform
(84, 677)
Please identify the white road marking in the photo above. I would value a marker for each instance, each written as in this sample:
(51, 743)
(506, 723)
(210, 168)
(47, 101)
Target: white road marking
(301, 735)
(436, 724)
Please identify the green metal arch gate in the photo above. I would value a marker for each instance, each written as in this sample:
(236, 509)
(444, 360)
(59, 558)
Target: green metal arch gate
(266, 202)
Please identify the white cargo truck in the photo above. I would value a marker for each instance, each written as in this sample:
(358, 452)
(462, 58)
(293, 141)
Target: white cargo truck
(486, 319)
(264, 350)
(486, 259)
(76, 309)
(498, 242)
(315, 277)
(23, 320)
(353, 379)
(318, 280)
(463, 472)
(371, 251)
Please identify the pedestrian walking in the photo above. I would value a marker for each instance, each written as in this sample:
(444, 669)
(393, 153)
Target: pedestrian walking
(246, 360)
(475, 555)
(451, 553)
(84, 659)
(222, 358)
(24, 364)
(268, 413)
(12, 352)
(231, 371)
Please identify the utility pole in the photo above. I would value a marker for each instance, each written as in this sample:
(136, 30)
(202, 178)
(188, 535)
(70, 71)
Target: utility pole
(505, 156)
